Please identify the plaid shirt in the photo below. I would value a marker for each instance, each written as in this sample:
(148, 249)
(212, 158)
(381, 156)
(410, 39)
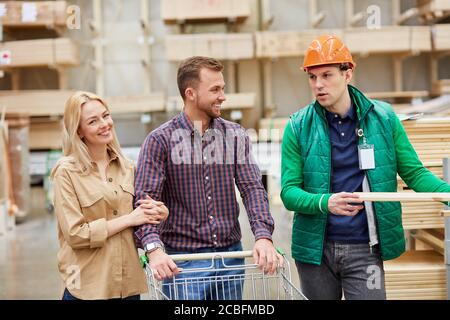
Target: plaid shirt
(195, 177)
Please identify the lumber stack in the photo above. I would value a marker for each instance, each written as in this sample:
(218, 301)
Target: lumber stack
(416, 275)
(37, 53)
(33, 14)
(194, 11)
(274, 44)
(431, 140)
(222, 46)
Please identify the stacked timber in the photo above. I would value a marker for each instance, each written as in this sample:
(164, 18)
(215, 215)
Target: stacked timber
(196, 11)
(416, 275)
(21, 14)
(37, 53)
(234, 101)
(222, 46)
(389, 39)
(430, 138)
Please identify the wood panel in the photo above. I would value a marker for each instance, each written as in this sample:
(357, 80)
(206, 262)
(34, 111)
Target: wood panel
(51, 102)
(222, 46)
(192, 11)
(33, 14)
(43, 52)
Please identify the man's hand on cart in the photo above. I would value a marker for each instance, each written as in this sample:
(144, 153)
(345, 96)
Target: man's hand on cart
(266, 256)
(162, 265)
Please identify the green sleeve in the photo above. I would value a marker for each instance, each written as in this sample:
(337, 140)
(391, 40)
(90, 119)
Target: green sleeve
(293, 196)
(410, 168)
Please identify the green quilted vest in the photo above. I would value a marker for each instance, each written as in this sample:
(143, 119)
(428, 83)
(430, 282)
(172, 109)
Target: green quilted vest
(311, 130)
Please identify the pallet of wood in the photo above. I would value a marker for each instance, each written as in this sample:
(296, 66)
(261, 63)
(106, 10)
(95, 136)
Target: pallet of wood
(441, 37)
(388, 39)
(282, 44)
(276, 44)
(39, 103)
(234, 101)
(222, 46)
(416, 275)
(38, 53)
(194, 11)
(21, 14)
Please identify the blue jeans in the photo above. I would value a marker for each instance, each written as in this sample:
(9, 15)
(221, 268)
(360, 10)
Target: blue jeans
(350, 269)
(68, 296)
(209, 283)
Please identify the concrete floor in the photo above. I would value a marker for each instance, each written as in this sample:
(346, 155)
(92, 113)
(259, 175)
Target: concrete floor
(28, 266)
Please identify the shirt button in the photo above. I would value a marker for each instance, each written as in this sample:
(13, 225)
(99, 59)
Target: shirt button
(110, 179)
(209, 198)
(335, 116)
(204, 158)
(342, 134)
(115, 212)
(214, 236)
(215, 243)
(340, 122)
(211, 217)
(207, 178)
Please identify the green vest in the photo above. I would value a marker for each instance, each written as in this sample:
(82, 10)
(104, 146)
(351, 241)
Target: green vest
(378, 121)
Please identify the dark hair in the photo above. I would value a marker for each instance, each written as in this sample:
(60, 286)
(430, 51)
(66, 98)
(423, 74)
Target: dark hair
(189, 71)
(345, 66)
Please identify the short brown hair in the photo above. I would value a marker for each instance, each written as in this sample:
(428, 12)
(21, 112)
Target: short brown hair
(189, 71)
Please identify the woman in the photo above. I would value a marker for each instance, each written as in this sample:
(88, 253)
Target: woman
(93, 202)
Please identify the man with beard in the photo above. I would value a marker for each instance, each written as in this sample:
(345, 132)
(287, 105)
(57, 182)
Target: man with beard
(192, 163)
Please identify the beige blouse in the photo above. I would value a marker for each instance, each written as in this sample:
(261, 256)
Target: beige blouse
(91, 265)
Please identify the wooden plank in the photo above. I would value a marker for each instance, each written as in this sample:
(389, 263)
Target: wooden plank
(26, 14)
(441, 37)
(43, 52)
(195, 11)
(234, 101)
(51, 102)
(397, 94)
(432, 239)
(278, 44)
(222, 46)
(388, 39)
(404, 196)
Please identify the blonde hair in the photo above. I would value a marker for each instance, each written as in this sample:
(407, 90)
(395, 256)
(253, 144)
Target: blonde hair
(74, 147)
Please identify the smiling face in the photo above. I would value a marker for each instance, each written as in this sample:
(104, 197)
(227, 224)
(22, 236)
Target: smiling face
(95, 124)
(208, 94)
(329, 84)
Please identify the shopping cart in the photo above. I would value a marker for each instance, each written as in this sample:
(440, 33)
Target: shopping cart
(222, 281)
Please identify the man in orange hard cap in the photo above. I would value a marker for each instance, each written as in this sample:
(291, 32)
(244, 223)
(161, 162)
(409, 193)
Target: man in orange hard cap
(342, 143)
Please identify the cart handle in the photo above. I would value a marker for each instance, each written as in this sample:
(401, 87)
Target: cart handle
(210, 255)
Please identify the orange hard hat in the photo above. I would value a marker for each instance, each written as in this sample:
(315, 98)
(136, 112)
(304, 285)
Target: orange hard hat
(327, 49)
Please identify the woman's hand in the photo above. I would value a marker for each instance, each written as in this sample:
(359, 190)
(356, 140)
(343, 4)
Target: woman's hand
(149, 211)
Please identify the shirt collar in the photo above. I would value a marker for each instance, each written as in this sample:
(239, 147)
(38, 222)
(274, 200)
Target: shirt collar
(187, 124)
(350, 114)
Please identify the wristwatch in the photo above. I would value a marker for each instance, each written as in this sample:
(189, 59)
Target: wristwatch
(150, 247)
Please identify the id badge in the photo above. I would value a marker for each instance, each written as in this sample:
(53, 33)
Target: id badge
(366, 157)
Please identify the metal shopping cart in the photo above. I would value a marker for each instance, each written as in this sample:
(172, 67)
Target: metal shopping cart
(221, 281)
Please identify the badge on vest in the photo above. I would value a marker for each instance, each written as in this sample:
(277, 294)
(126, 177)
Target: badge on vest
(366, 153)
